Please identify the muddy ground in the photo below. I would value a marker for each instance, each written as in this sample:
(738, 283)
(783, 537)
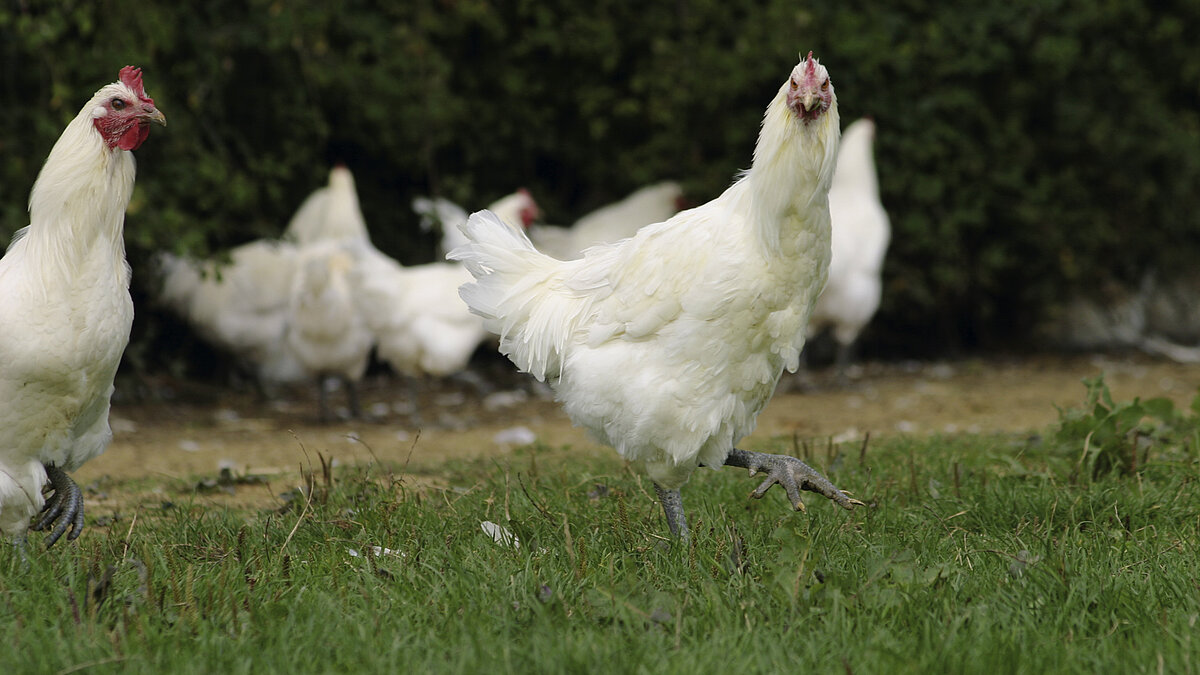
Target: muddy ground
(194, 431)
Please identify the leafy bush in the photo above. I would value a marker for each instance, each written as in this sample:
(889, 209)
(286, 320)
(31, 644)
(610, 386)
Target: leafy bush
(1025, 147)
(1118, 437)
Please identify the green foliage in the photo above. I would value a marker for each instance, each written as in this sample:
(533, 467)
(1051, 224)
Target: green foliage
(1118, 437)
(1024, 147)
(974, 554)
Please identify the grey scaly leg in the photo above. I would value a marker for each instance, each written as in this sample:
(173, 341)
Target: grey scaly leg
(65, 506)
(672, 503)
(19, 544)
(791, 473)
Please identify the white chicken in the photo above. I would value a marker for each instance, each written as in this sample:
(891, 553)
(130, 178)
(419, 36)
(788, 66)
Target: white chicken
(326, 331)
(861, 232)
(66, 312)
(246, 305)
(518, 208)
(667, 345)
(421, 325)
(240, 305)
(331, 212)
(651, 204)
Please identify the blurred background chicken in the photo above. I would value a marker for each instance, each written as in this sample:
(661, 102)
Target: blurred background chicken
(421, 326)
(444, 216)
(65, 310)
(326, 330)
(667, 345)
(651, 204)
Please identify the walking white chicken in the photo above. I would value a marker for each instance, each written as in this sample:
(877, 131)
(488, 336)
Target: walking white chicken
(667, 345)
(861, 231)
(65, 310)
(651, 204)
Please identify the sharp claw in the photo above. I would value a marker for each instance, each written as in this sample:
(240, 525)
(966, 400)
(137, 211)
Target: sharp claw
(793, 475)
(64, 508)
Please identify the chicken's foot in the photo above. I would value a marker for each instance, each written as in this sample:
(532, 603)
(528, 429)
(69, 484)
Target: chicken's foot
(792, 474)
(64, 506)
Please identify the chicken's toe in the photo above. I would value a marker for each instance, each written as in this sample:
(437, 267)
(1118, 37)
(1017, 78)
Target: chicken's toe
(64, 508)
(792, 474)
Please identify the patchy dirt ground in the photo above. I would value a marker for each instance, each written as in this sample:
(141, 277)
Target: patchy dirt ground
(197, 431)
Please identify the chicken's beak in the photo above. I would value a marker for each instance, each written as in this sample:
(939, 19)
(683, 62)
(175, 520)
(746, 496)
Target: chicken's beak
(152, 114)
(809, 100)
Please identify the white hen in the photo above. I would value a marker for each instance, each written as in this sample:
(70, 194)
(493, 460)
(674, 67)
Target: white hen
(326, 331)
(861, 232)
(330, 213)
(421, 325)
(651, 204)
(667, 345)
(245, 305)
(241, 305)
(65, 310)
(518, 208)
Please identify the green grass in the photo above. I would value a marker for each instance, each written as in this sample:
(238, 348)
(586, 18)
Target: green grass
(976, 554)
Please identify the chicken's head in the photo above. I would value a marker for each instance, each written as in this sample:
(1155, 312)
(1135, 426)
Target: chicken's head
(810, 93)
(529, 209)
(122, 112)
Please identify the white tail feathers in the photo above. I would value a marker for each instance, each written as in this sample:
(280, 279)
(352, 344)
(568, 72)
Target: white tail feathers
(519, 293)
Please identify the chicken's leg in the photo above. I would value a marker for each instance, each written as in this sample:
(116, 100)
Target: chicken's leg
(791, 473)
(672, 503)
(845, 352)
(352, 399)
(65, 506)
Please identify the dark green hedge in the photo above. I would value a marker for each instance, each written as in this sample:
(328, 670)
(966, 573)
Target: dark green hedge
(1025, 147)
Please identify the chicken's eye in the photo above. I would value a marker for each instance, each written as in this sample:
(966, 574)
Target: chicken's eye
(794, 84)
(825, 85)
(117, 104)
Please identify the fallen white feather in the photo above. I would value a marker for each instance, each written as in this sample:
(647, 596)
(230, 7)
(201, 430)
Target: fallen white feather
(376, 551)
(500, 534)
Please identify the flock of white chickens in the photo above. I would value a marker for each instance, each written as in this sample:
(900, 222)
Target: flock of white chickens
(662, 331)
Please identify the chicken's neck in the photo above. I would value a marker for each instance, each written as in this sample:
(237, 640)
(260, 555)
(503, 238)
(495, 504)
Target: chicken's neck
(77, 206)
(788, 184)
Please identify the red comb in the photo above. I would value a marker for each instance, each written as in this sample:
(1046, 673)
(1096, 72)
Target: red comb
(132, 77)
(812, 65)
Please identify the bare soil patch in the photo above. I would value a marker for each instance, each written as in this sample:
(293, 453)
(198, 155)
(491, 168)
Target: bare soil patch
(197, 431)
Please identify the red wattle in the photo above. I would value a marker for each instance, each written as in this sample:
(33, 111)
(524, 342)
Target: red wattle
(133, 138)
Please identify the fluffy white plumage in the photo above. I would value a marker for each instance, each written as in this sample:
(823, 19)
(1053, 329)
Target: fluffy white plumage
(326, 330)
(650, 204)
(241, 306)
(667, 345)
(65, 308)
(861, 233)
